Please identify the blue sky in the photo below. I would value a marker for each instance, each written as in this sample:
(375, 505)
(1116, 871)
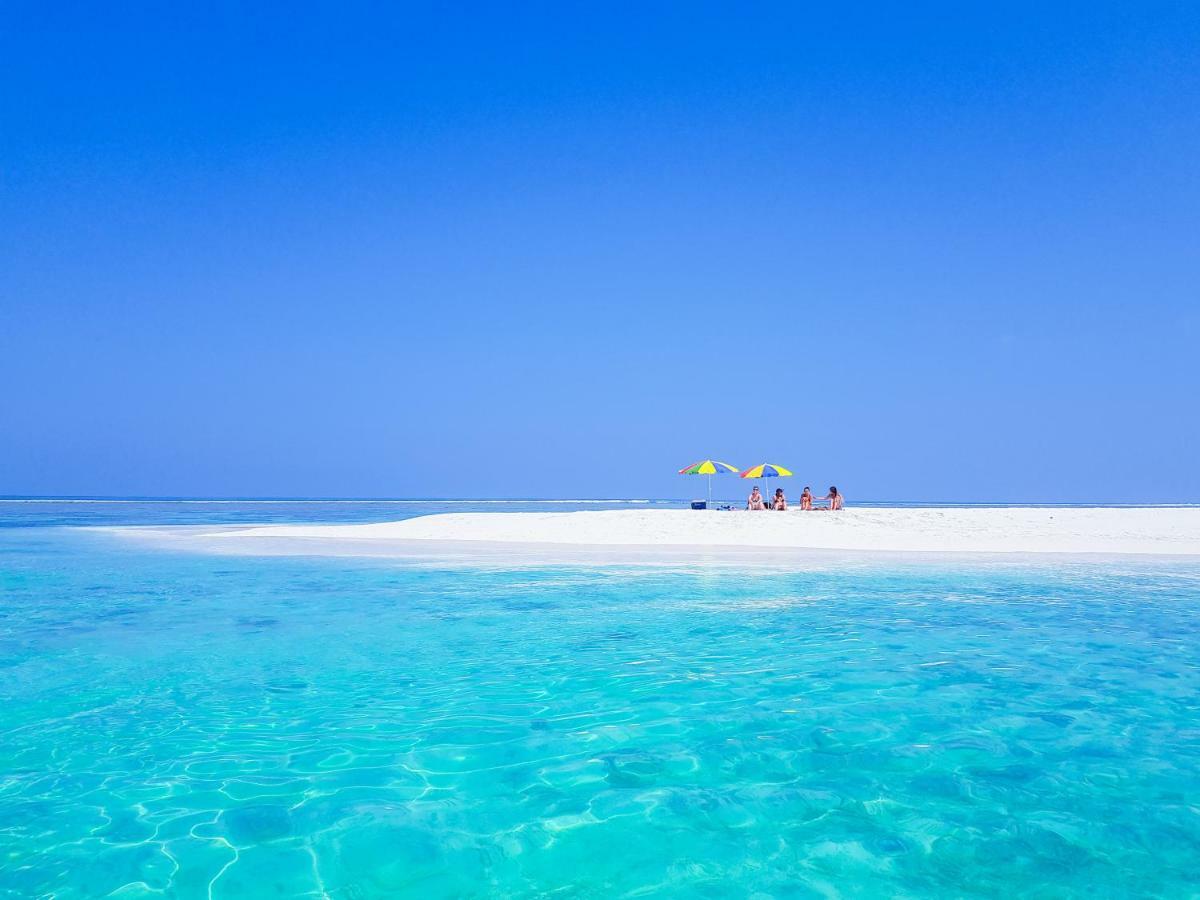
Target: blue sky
(927, 252)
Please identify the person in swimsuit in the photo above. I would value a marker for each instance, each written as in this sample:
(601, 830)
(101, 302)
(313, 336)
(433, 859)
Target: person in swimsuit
(835, 499)
(806, 498)
(756, 500)
(780, 500)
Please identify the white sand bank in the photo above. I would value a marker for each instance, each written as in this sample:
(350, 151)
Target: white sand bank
(1159, 530)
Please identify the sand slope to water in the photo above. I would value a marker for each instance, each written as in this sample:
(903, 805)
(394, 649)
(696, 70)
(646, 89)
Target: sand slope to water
(1144, 530)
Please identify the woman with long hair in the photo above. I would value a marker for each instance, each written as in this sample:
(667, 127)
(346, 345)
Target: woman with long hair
(835, 499)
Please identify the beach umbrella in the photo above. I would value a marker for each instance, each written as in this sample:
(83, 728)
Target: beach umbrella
(766, 470)
(709, 467)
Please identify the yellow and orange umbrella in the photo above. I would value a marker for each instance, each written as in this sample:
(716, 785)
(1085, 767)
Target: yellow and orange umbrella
(766, 470)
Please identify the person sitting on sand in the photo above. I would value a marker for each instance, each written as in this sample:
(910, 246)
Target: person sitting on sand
(806, 498)
(780, 500)
(835, 499)
(756, 500)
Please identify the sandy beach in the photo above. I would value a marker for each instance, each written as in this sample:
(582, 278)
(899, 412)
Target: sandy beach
(1142, 530)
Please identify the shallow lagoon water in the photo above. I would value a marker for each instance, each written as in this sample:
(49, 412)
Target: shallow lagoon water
(186, 724)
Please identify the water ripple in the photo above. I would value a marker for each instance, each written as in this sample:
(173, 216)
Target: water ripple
(290, 727)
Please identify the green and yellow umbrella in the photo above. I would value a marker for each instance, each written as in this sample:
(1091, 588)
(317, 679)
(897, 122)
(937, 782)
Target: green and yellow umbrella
(709, 467)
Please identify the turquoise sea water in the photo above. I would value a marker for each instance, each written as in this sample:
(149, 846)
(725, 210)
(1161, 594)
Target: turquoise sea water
(189, 725)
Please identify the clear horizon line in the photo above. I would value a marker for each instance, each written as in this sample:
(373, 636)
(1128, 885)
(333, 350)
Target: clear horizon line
(116, 498)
